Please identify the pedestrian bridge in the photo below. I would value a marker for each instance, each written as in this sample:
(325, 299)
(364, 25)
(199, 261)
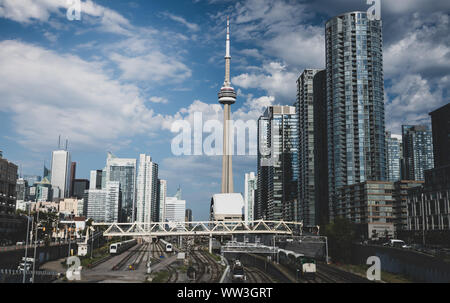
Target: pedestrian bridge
(199, 228)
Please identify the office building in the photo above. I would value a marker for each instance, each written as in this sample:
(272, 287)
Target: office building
(277, 164)
(417, 151)
(95, 179)
(73, 174)
(60, 173)
(22, 190)
(441, 135)
(162, 194)
(44, 191)
(147, 200)
(79, 187)
(251, 185)
(394, 156)
(31, 180)
(188, 216)
(124, 172)
(355, 102)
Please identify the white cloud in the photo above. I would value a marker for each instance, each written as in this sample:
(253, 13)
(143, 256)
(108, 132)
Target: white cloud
(191, 26)
(414, 99)
(48, 94)
(276, 80)
(29, 11)
(151, 67)
(159, 100)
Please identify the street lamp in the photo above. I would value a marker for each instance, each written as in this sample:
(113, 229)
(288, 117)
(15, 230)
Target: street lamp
(26, 244)
(35, 241)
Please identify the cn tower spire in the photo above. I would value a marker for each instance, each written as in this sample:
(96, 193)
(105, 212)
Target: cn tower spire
(227, 56)
(227, 97)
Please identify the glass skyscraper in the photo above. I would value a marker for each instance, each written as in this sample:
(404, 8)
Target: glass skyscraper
(124, 172)
(394, 155)
(278, 164)
(355, 101)
(417, 151)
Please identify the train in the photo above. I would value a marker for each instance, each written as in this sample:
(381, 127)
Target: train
(119, 247)
(168, 246)
(304, 267)
(308, 269)
(237, 272)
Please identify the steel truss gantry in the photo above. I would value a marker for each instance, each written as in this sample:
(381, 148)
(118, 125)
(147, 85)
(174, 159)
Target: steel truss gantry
(200, 228)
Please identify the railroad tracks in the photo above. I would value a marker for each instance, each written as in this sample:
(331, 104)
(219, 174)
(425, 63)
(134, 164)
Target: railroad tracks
(127, 257)
(329, 274)
(206, 265)
(256, 275)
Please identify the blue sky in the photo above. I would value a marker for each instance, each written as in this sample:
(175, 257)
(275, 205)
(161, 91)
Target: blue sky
(117, 79)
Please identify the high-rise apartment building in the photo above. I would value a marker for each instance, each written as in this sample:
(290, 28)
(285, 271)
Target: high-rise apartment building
(277, 164)
(79, 186)
(251, 185)
(175, 211)
(417, 151)
(60, 173)
(162, 194)
(320, 148)
(147, 200)
(104, 205)
(394, 156)
(306, 148)
(355, 101)
(124, 172)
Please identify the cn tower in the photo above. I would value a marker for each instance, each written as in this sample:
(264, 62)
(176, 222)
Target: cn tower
(227, 96)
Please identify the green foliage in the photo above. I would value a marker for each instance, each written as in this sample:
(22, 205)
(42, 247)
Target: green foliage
(341, 234)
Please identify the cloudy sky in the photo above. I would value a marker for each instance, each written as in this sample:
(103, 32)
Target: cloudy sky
(118, 78)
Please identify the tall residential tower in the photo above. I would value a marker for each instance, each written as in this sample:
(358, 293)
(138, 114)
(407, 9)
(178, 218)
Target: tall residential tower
(355, 101)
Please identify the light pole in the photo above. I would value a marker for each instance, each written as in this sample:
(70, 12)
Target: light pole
(26, 244)
(35, 241)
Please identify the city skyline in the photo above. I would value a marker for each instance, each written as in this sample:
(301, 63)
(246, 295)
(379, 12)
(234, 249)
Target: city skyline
(265, 74)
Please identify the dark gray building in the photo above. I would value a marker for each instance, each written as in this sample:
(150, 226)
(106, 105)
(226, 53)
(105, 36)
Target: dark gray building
(79, 186)
(417, 151)
(355, 101)
(305, 107)
(440, 121)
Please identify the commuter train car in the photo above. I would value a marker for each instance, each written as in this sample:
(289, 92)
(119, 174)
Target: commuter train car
(168, 246)
(305, 267)
(238, 273)
(119, 247)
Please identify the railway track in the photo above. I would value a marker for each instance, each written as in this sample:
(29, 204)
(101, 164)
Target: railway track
(256, 275)
(215, 269)
(139, 257)
(127, 257)
(201, 267)
(329, 274)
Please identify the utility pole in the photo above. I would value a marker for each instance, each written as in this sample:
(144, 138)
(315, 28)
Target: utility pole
(35, 241)
(26, 244)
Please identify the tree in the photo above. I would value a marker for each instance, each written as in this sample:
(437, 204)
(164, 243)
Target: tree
(341, 234)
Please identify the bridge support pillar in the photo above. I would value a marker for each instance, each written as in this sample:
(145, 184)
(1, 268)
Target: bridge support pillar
(210, 243)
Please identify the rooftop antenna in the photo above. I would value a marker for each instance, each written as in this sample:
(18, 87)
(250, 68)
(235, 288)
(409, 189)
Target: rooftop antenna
(59, 142)
(67, 142)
